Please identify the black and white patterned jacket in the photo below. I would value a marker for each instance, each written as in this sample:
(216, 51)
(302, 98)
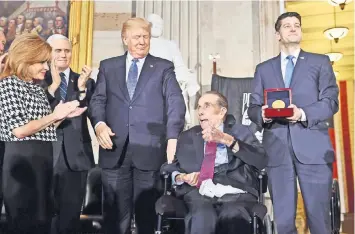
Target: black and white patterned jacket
(20, 103)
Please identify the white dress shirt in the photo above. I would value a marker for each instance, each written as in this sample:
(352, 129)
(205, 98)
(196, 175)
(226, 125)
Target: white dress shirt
(284, 62)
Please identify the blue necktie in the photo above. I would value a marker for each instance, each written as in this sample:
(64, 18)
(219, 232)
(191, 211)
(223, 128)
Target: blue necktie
(132, 78)
(289, 70)
(63, 86)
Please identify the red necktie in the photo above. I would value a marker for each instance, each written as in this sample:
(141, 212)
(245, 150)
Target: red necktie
(207, 168)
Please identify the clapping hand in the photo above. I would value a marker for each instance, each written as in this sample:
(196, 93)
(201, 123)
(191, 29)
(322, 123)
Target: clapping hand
(68, 110)
(212, 134)
(84, 76)
(55, 73)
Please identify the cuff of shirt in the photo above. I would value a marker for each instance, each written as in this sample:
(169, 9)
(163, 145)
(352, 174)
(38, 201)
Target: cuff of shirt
(100, 122)
(173, 175)
(303, 116)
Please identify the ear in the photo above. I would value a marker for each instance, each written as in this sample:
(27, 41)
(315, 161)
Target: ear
(125, 41)
(278, 36)
(223, 111)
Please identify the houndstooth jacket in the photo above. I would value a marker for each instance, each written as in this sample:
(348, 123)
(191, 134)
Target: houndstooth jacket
(20, 103)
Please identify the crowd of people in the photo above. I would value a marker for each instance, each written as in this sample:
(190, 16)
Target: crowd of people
(137, 111)
(44, 27)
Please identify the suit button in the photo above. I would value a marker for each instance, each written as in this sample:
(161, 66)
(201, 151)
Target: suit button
(126, 125)
(130, 107)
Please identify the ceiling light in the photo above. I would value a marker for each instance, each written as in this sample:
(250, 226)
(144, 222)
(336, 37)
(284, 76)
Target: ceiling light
(336, 33)
(340, 3)
(334, 56)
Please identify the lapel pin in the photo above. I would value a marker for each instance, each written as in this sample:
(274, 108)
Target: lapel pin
(301, 57)
(151, 66)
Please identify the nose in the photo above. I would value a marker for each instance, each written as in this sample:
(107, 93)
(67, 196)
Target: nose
(141, 40)
(45, 66)
(62, 54)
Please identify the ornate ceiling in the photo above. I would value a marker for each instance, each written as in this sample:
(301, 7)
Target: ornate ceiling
(318, 16)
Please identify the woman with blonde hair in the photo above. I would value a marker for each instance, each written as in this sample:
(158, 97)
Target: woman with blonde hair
(27, 126)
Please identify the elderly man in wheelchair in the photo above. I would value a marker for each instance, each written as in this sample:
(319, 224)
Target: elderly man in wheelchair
(216, 171)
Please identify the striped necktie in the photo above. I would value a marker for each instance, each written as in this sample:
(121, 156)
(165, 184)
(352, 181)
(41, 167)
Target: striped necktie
(63, 87)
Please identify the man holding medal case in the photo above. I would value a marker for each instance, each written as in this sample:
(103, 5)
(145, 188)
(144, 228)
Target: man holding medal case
(294, 94)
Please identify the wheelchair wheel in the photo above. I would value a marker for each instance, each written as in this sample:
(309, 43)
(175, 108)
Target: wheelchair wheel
(268, 226)
(335, 209)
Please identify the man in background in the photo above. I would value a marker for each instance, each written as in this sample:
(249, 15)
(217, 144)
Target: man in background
(72, 153)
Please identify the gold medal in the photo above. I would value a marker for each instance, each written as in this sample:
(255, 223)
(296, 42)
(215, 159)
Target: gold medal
(278, 104)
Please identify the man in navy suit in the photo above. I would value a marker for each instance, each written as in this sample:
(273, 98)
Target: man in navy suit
(138, 112)
(298, 147)
(72, 153)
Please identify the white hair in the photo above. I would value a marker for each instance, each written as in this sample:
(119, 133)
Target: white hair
(54, 37)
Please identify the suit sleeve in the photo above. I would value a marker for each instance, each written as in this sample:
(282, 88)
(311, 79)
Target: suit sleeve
(90, 88)
(175, 104)
(53, 101)
(256, 99)
(250, 150)
(328, 103)
(98, 100)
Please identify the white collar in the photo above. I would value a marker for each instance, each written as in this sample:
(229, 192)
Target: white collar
(296, 53)
(130, 57)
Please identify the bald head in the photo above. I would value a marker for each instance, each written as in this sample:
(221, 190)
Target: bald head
(2, 42)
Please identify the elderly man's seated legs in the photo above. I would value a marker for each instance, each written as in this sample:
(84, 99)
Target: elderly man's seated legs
(218, 216)
(202, 217)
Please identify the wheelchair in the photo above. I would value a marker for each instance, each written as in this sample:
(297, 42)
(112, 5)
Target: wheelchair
(171, 210)
(91, 216)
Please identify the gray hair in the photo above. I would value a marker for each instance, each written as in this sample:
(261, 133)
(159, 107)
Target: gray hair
(54, 37)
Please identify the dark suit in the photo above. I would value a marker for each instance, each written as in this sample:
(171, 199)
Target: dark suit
(73, 157)
(303, 148)
(241, 171)
(142, 127)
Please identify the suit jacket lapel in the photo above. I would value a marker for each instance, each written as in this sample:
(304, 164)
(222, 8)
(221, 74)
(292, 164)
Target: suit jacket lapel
(199, 146)
(121, 66)
(300, 68)
(147, 70)
(276, 64)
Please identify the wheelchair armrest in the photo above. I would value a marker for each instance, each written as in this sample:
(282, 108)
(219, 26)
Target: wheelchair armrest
(170, 206)
(166, 169)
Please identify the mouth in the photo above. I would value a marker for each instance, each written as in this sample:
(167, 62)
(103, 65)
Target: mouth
(203, 121)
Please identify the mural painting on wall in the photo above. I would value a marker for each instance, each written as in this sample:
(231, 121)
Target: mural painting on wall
(43, 18)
